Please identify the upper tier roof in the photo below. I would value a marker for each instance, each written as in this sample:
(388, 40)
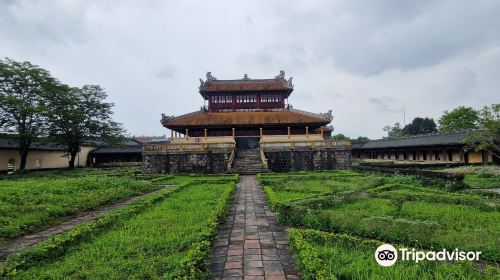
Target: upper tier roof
(213, 85)
(222, 119)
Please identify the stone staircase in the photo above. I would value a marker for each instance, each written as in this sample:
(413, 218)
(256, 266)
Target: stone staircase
(247, 161)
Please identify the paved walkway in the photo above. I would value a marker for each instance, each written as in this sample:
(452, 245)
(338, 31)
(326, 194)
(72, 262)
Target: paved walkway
(251, 244)
(11, 246)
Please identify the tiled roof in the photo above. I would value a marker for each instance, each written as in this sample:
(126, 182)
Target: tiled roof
(12, 144)
(246, 85)
(435, 139)
(219, 119)
(118, 150)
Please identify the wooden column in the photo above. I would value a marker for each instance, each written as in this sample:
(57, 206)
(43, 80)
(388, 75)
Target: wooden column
(234, 132)
(171, 134)
(206, 135)
(288, 132)
(321, 131)
(187, 134)
(261, 132)
(307, 132)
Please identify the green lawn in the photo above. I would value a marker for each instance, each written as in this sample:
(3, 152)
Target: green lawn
(77, 172)
(395, 209)
(150, 245)
(28, 204)
(326, 255)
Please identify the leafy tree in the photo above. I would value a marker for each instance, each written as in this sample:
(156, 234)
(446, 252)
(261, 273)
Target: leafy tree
(21, 110)
(363, 139)
(394, 131)
(78, 115)
(488, 137)
(420, 126)
(340, 137)
(459, 118)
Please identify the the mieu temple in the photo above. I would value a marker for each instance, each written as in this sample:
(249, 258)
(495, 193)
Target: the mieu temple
(247, 126)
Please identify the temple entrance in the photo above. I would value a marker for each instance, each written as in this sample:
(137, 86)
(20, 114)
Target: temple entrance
(247, 142)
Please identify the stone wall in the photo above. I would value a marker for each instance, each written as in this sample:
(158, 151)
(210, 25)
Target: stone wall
(308, 160)
(185, 162)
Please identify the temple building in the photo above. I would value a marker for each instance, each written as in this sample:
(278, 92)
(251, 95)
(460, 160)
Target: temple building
(433, 148)
(247, 109)
(241, 116)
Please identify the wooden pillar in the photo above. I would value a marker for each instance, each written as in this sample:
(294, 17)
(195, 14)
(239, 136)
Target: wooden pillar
(321, 131)
(234, 132)
(206, 135)
(187, 134)
(307, 132)
(171, 134)
(288, 132)
(261, 132)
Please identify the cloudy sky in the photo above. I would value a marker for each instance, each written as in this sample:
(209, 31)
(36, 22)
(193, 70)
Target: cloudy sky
(366, 61)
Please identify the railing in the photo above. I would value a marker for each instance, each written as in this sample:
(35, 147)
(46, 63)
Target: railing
(188, 147)
(298, 142)
(230, 161)
(291, 138)
(264, 159)
(193, 144)
(208, 139)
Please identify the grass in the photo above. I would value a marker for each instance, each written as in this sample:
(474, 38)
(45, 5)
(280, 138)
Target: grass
(478, 176)
(396, 209)
(77, 172)
(30, 203)
(414, 223)
(158, 243)
(329, 256)
(479, 181)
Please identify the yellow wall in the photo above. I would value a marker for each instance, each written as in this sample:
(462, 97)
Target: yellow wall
(47, 159)
(475, 157)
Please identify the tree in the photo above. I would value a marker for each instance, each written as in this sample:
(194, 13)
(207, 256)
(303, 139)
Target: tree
(362, 139)
(394, 131)
(78, 115)
(488, 137)
(420, 126)
(21, 110)
(340, 137)
(458, 119)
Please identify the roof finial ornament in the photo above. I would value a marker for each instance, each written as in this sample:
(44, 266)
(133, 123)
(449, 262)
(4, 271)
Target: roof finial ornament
(165, 118)
(210, 77)
(281, 75)
(328, 115)
(245, 77)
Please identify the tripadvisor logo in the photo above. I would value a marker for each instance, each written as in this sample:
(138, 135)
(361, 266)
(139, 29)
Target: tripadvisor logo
(387, 255)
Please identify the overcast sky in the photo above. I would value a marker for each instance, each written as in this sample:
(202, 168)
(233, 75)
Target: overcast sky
(366, 61)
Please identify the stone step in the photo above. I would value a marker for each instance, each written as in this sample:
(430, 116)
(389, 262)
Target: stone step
(248, 162)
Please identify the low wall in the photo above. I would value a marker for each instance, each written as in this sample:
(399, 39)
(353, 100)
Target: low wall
(185, 162)
(308, 159)
(416, 172)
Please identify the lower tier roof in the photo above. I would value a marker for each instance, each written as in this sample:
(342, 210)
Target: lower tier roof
(225, 119)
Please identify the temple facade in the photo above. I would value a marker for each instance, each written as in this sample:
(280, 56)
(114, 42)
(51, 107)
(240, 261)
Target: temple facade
(245, 114)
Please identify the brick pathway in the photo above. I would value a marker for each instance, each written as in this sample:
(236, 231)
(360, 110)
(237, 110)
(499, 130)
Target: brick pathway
(30, 239)
(251, 244)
